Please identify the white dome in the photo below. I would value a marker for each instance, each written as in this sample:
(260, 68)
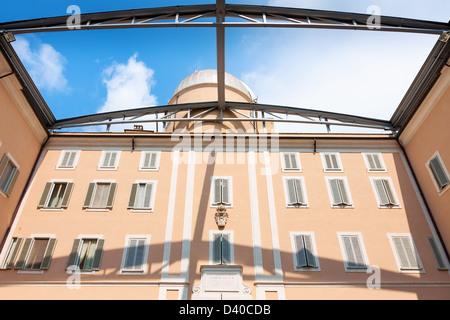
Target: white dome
(210, 77)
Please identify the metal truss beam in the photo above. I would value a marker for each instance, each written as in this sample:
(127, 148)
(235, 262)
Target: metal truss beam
(279, 114)
(222, 15)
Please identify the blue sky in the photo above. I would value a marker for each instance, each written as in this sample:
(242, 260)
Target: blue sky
(362, 73)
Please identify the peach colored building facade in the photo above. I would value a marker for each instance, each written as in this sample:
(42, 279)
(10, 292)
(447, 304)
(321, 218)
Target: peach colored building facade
(21, 138)
(193, 214)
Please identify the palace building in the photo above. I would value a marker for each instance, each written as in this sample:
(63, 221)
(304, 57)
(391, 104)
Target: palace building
(218, 204)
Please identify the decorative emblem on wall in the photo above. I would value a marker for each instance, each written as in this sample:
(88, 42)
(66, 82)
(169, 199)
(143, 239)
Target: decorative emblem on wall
(221, 216)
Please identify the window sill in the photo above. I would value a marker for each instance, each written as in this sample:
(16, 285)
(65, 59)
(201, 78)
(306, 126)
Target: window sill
(97, 210)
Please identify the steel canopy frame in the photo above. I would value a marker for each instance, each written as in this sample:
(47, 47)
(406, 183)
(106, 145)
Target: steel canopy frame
(276, 114)
(221, 16)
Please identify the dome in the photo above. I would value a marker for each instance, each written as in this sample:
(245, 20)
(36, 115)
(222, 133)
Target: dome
(210, 77)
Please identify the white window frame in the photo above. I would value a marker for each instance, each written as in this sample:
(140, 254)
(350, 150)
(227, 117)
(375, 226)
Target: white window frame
(347, 188)
(144, 269)
(34, 237)
(152, 200)
(211, 244)
(420, 268)
(294, 251)
(433, 178)
(344, 251)
(16, 164)
(393, 190)
(97, 182)
(338, 159)
(102, 158)
(55, 181)
(230, 191)
(157, 161)
(283, 163)
(380, 157)
(83, 237)
(286, 191)
(75, 160)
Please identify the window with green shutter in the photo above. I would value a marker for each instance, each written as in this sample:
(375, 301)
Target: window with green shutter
(385, 193)
(221, 249)
(221, 191)
(100, 195)
(290, 161)
(339, 193)
(135, 254)
(439, 172)
(332, 162)
(374, 162)
(295, 192)
(304, 253)
(36, 254)
(405, 252)
(353, 252)
(141, 196)
(149, 161)
(86, 254)
(56, 195)
(9, 173)
(109, 160)
(68, 160)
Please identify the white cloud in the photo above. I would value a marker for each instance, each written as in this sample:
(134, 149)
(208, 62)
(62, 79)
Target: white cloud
(44, 64)
(128, 86)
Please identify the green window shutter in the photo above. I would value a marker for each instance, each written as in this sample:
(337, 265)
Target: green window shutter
(13, 182)
(307, 240)
(106, 159)
(90, 193)
(67, 195)
(132, 200)
(406, 253)
(389, 192)
(217, 191)
(48, 254)
(437, 254)
(287, 161)
(12, 253)
(383, 196)
(337, 199)
(217, 249)
(148, 195)
(301, 253)
(21, 261)
(153, 160)
(98, 255)
(44, 197)
(354, 252)
(3, 163)
(111, 196)
(226, 191)
(73, 256)
(344, 193)
(299, 192)
(439, 173)
(226, 249)
(292, 195)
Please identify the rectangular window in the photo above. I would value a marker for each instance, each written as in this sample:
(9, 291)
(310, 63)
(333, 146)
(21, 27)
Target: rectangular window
(36, 254)
(150, 161)
(305, 255)
(68, 160)
(142, 196)
(339, 192)
(353, 251)
(374, 162)
(437, 254)
(290, 161)
(221, 248)
(9, 172)
(405, 252)
(109, 160)
(135, 254)
(12, 253)
(385, 193)
(332, 162)
(221, 191)
(439, 172)
(86, 254)
(56, 195)
(295, 192)
(100, 195)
